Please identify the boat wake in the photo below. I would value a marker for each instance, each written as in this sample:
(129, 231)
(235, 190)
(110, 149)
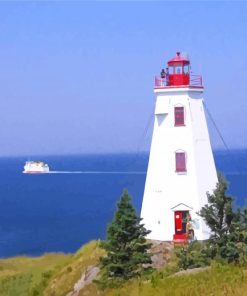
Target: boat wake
(98, 172)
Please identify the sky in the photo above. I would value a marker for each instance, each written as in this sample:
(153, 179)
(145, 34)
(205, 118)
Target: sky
(77, 77)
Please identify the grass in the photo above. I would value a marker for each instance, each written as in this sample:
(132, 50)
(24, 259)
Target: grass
(56, 274)
(63, 281)
(28, 275)
(217, 281)
(48, 275)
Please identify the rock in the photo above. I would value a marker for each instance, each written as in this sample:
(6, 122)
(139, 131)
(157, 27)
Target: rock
(190, 271)
(162, 253)
(87, 277)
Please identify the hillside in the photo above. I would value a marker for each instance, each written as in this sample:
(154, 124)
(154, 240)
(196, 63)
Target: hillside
(50, 274)
(71, 275)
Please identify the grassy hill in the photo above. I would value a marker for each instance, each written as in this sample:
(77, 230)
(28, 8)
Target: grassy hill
(50, 274)
(27, 275)
(56, 275)
(218, 280)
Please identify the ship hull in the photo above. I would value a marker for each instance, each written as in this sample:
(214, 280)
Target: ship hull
(35, 172)
(36, 167)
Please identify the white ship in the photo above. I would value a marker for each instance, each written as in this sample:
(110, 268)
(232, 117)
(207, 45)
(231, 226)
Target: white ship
(35, 167)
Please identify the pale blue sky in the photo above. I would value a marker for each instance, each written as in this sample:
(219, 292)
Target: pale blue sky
(77, 77)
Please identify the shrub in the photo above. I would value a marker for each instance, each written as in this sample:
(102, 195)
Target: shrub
(229, 228)
(228, 241)
(193, 255)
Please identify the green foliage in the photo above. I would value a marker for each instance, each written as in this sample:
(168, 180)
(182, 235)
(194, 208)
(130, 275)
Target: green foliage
(16, 285)
(63, 281)
(220, 280)
(228, 241)
(27, 284)
(218, 213)
(28, 276)
(229, 228)
(193, 255)
(125, 245)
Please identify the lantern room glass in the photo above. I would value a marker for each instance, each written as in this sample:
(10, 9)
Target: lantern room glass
(179, 69)
(186, 69)
(171, 69)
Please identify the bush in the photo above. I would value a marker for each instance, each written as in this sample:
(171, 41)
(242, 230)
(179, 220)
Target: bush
(193, 255)
(228, 241)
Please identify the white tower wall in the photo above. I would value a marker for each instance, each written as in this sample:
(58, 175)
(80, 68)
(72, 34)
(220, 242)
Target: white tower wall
(166, 190)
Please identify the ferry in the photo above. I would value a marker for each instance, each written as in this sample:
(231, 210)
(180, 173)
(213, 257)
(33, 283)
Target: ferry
(32, 167)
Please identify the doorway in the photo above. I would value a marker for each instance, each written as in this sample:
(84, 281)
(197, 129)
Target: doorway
(181, 222)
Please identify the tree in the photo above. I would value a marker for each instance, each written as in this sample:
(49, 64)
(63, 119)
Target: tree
(228, 241)
(192, 255)
(127, 250)
(218, 213)
(229, 227)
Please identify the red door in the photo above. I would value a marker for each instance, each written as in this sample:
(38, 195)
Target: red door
(178, 222)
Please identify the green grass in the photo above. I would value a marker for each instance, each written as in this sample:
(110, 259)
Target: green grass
(217, 281)
(29, 275)
(63, 281)
(56, 274)
(50, 274)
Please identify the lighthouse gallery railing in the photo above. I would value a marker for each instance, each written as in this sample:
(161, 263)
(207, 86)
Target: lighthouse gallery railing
(195, 80)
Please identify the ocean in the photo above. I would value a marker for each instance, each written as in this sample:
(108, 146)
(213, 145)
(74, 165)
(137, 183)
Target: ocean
(58, 212)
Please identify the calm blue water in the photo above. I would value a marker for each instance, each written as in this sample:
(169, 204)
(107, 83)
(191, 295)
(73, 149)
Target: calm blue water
(60, 212)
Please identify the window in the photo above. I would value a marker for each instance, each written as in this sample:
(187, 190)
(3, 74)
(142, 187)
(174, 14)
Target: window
(178, 69)
(186, 69)
(179, 116)
(180, 162)
(171, 69)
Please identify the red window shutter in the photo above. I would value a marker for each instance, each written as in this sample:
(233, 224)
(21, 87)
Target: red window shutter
(180, 162)
(179, 115)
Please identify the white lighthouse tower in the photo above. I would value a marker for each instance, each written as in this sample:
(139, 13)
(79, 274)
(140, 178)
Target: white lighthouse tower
(181, 167)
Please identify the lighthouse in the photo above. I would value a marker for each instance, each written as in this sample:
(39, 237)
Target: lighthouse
(181, 168)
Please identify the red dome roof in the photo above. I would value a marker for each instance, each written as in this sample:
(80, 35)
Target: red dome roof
(179, 59)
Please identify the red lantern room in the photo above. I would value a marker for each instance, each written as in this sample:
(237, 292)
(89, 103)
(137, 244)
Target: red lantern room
(178, 71)
(178, 74)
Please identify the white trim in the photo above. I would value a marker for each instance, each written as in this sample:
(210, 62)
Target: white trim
(178, 90)
(181, 207)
